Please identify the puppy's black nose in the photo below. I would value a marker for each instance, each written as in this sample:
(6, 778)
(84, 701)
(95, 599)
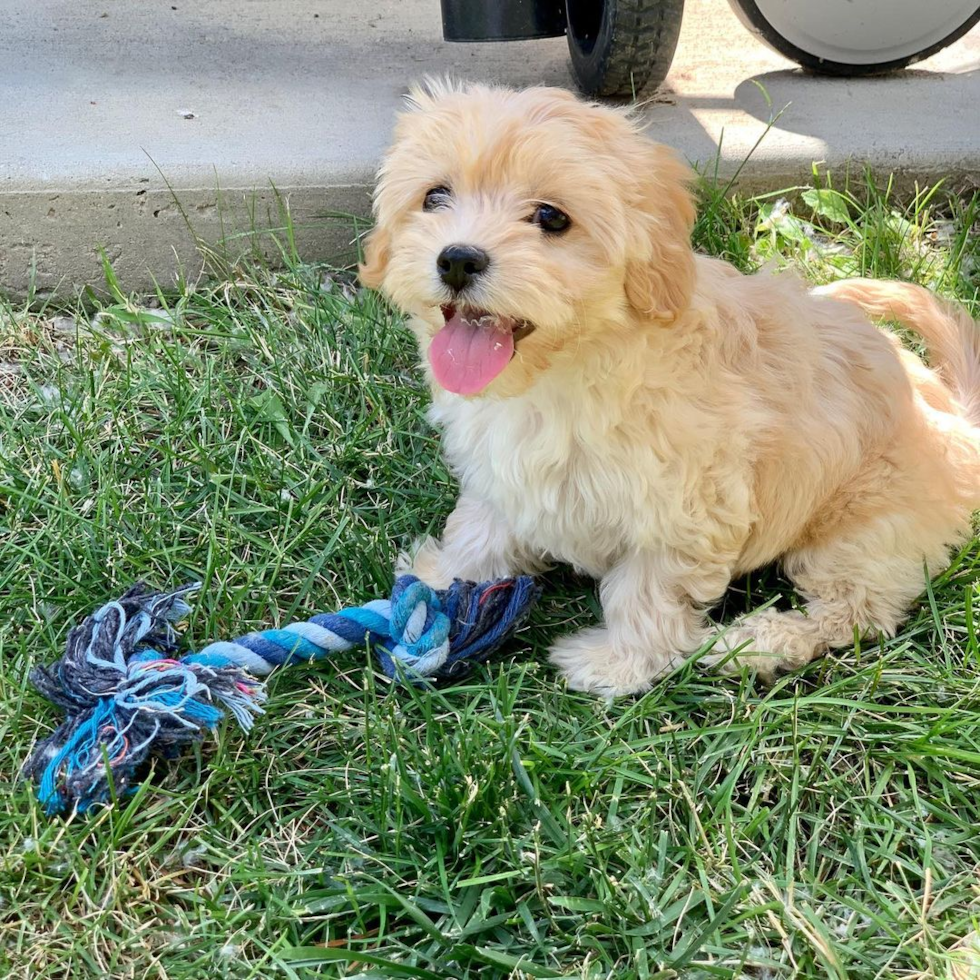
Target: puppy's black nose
(459, 265)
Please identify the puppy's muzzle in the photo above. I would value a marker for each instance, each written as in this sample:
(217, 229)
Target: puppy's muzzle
(460, 265)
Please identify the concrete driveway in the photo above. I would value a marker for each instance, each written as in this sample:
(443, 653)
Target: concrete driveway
(107, 102)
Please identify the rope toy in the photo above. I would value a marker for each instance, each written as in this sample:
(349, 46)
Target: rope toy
(127, 693)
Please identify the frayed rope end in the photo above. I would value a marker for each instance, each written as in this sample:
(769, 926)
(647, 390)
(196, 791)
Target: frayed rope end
(126, 695)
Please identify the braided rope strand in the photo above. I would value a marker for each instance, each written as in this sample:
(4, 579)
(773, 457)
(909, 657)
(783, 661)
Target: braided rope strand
(127, 695)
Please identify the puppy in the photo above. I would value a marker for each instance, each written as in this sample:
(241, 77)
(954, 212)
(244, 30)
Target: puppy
(653, 417)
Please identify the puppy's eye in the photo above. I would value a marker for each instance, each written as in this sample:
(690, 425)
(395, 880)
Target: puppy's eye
(550, 219)
(436, 198)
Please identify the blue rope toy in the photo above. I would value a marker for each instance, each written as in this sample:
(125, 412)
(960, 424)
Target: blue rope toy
(128, 695)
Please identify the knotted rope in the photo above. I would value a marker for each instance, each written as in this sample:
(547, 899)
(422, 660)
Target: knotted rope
(128, 695)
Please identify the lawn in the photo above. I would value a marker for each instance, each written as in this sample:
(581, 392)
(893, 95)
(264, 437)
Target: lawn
(265, 433)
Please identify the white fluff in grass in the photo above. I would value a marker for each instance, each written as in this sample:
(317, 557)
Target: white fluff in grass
(964, 958)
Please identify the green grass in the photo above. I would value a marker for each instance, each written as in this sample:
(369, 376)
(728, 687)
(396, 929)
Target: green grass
(266, 434)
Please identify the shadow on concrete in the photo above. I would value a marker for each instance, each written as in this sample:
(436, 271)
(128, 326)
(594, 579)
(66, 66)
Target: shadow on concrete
(912, 101)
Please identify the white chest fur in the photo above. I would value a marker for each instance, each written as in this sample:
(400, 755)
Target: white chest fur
(574, 480)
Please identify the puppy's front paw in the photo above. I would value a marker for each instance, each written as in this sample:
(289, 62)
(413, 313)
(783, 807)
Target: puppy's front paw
(424, 560)
(737, 648)
(767, 643)
(589, 662)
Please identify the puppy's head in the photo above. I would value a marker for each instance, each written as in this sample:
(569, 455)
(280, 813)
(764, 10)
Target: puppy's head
(517, 226)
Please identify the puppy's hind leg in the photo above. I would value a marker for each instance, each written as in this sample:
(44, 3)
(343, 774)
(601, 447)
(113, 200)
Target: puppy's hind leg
(852, 586)
(477, 545)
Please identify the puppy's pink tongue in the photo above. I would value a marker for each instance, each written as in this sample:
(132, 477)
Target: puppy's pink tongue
(469, 352)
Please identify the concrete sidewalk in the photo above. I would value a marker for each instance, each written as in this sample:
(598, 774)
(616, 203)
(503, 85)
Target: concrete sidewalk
(105, 102)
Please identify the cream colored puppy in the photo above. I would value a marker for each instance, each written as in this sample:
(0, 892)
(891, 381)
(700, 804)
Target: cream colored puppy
(652, 417)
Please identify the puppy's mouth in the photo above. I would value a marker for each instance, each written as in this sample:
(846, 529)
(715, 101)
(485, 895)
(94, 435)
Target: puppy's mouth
(473, 347)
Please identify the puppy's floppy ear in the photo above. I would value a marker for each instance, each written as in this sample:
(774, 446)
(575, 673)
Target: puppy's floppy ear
(377, 251)
(660, 279)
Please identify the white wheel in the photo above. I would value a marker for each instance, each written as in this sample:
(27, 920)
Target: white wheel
(855, 37)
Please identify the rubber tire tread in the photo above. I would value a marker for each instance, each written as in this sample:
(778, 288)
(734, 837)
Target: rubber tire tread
(633, 49)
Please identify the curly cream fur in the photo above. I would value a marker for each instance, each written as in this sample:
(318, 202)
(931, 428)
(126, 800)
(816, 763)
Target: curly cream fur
(670, 423)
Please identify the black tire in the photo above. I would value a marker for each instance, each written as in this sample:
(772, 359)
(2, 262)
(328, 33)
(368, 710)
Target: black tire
(622, 48)
(749, 14)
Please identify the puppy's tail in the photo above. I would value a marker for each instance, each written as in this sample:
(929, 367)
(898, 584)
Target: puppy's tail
(951, 334)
